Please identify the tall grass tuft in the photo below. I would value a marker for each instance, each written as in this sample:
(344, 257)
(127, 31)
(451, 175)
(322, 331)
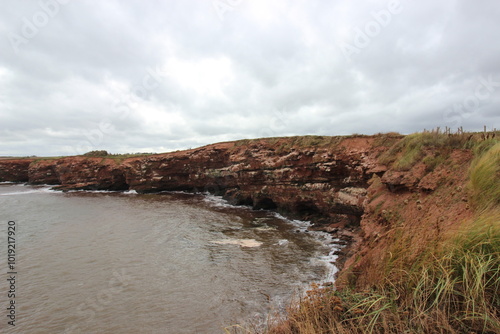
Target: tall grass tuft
(456, 291)
(412, 148)
(485, 175)
(462, 284)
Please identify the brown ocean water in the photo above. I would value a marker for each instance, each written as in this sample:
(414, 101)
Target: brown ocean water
(158, 263)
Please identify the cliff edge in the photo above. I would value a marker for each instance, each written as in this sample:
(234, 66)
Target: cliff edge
(396, 200)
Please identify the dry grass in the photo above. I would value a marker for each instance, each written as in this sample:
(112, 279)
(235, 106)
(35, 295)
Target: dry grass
(284, 143)
(462, 281)
(456, 291)
(413, 148)
(453, 287)
(485, 175)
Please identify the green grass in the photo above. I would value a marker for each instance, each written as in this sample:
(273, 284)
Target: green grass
(432, 161)
(485, 175)
(119, 158)
(295, 141)
(413, 148)
(452, 286)
(463, 282)
(387, 139)
(456, 291)
(282, 145)
(40, 159)
(308, 141)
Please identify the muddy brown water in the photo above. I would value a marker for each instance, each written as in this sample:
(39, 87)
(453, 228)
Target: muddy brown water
(157, 263)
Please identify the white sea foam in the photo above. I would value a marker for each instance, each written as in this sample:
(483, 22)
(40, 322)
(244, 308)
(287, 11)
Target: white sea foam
(282, 242)
(127, 192)
(328, 261)
(325, 239)
(239, 242)
(96, 191)
(219, 201)
(265, 228)
(302, 226)
(28, 190)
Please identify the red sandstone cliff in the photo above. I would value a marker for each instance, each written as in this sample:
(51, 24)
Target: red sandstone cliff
(311, 182)
(324, 180)
(335, 181)
(14, 170)
(405, 213)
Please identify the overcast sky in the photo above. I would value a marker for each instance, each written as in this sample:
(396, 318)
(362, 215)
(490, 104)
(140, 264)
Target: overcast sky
(156, 76)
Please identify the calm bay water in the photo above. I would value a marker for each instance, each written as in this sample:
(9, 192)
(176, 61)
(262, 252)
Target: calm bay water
(158, 263)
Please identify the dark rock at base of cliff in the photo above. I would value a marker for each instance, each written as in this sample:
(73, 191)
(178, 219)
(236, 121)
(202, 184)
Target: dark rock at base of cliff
(15, 170)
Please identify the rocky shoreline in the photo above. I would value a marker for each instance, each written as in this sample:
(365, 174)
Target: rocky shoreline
(339, 184)
(324, 183)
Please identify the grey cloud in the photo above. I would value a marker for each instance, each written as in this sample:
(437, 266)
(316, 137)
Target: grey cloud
(267, 69)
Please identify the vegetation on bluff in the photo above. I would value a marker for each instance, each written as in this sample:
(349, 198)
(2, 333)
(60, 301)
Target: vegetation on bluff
(452, 287)
(284, 143)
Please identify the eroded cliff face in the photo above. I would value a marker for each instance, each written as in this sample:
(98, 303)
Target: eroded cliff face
(14, 170)
(405, 213)
(326, 183)
(337, 182)
(73, 173)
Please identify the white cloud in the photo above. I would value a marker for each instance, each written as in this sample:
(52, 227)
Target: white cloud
(205, 77)
(157, 76)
